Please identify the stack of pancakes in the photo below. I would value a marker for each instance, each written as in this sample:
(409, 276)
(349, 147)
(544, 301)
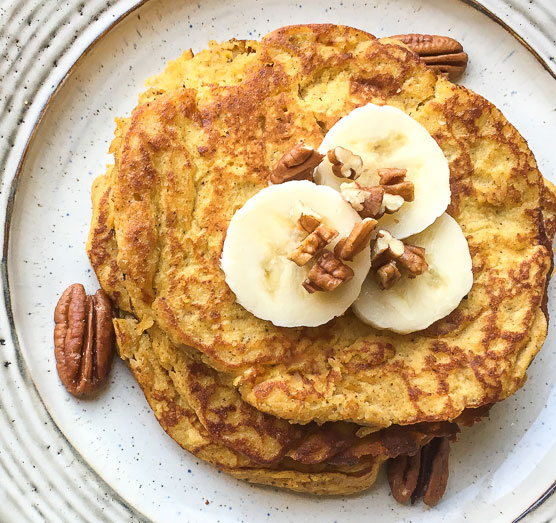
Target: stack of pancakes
(311, 409)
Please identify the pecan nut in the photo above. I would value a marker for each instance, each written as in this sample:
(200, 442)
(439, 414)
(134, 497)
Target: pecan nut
(345, 164)
(389, 255)
(423, 475)
(413, 259)
(83, 340)
(370, 202)
(327, 273)
(385, 248)
(394, 182)
(312, 244)
(388, 275)
(296, 164)
(403, 474)
(359, 238)
(442, 53)
(308, 220)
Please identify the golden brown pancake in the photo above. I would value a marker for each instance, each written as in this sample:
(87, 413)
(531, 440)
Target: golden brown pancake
(199, 144)
(190, 157)
(204, 413)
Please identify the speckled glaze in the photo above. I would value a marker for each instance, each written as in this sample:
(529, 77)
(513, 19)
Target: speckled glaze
(108, 459)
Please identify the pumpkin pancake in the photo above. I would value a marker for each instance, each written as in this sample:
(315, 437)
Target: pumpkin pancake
(190, 157)
(203, 412)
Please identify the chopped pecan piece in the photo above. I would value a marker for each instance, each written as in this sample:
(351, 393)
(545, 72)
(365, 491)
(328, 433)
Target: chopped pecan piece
(372, 205)
(370, 202)
(391, 202)
(358, 239)
(388, 275)
(312, 244)
(385, 248)
(413, 259)
(394, 182)
(327, 273)
(345, 164)
(422, 475)
(308, 220)
(389, 255)
(391, 175)
(297, 164)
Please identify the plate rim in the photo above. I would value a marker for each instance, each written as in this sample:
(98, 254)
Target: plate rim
(9, 208)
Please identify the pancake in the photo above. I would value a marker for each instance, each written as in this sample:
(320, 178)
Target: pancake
(190, 157)
(179, 420)
(202, 411)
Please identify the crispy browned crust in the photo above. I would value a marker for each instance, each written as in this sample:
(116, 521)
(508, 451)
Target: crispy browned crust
(243, 458)
(205, 152)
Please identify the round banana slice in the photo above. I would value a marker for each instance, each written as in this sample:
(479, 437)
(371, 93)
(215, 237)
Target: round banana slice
(261, 236)
(414, 304)
(386, 137)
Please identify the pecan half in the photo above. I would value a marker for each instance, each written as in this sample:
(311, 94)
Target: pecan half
(83, 339)
(423, 475)
(359, 238)
(297, 164)
(403, 473)
(345, 164)
(327, 273)
(312, 244)
(442, 53)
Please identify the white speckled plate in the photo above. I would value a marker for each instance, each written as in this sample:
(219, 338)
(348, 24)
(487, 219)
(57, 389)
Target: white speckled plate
(108, 459)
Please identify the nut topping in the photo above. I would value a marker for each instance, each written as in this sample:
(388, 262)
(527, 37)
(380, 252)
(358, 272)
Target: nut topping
(327, 273)
(393, 181)
(388, 275)
(385, 249)
(358, 239)
(403, 474)
(422, 475)
(374, 202)
(312, 244)
(413, 259)
(356, 195)
(83, 340)
(389, 255)
(391, 175)
(308, 220)
(443, 54)
(297, 164)
(391, 203)
(345, 164)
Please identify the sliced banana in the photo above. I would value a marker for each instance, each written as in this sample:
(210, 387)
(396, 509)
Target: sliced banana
(384, 136)
(414, 304)
(259, 239)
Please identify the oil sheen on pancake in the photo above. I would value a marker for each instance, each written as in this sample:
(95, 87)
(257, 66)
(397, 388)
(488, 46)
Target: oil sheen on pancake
(189, 157)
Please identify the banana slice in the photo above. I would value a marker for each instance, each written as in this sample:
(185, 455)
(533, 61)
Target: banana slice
(259, 239)
(414, 304)
(384, 136)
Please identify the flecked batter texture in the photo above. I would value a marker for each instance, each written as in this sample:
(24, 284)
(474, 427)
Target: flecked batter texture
(198, 145)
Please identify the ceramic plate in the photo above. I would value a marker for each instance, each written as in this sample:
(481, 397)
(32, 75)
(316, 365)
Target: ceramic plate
(108, 459)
